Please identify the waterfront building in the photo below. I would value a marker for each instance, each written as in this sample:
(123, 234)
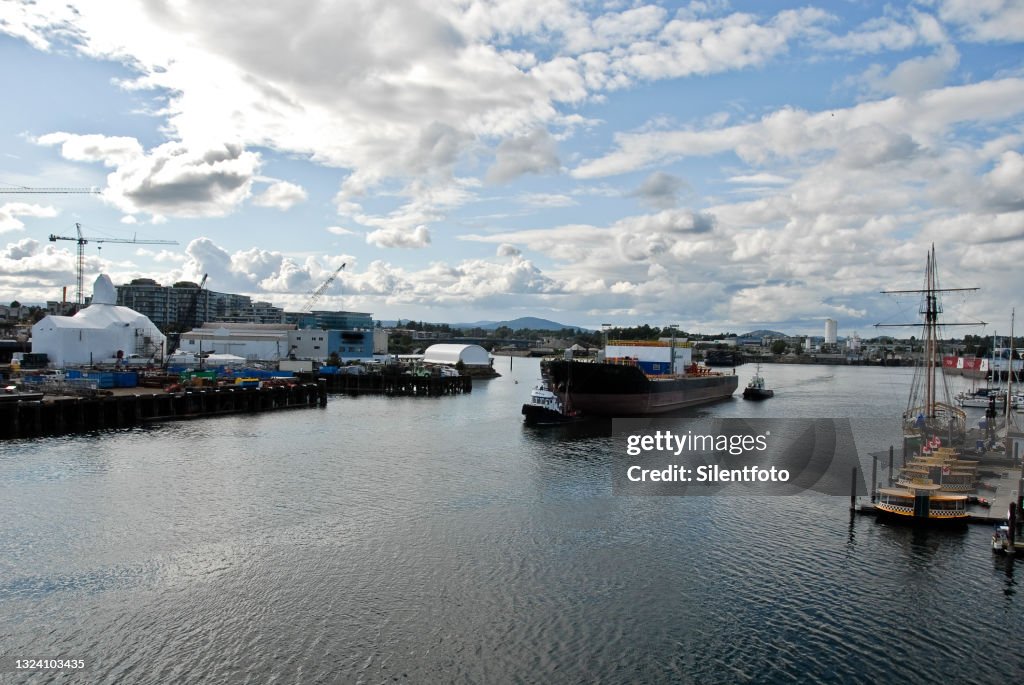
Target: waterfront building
(469, 355)
(101, 332)
(274, 342)
(169, 306)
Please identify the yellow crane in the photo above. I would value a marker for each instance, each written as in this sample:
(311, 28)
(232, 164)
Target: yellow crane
(82, 241)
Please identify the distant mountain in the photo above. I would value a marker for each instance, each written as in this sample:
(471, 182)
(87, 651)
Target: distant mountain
(531, 322)
(764, 333)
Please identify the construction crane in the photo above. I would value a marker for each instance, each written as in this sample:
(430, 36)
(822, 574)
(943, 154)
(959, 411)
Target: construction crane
(25, 190)
(81, 240)
(189, 320)
(318, 293)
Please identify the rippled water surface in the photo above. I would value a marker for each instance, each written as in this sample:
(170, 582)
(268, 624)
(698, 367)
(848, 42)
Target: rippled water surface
(437, 540)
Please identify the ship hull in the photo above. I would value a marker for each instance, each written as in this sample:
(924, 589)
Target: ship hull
(622, 390)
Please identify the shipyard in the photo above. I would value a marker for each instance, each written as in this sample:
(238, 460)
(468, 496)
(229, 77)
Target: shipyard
(349, 342)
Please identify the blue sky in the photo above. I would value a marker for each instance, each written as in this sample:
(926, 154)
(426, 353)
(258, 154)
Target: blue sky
(716, 165)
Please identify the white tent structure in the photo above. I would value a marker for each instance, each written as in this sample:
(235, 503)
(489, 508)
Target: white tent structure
(470, 355)
(98, 332)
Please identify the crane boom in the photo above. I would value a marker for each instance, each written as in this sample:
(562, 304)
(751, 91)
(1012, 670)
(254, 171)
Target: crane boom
(23, 190)
(82, 241)
(318, 293)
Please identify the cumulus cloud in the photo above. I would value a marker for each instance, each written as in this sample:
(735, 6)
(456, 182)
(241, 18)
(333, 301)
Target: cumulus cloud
(172, 179)
(912, 76)
(990, 21)
(281, 195)
(398, 237)
(109, 150)
(660, 189)
(11, 211)
(35, 271)
(254, 270)
(533, 153)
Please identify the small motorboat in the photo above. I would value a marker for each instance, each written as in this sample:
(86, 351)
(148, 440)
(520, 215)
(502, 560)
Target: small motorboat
(756, 389)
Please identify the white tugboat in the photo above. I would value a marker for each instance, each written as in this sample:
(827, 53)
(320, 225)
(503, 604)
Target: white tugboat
(545, 408)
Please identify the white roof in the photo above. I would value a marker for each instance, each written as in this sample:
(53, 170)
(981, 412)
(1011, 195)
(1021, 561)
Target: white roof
(453, 354)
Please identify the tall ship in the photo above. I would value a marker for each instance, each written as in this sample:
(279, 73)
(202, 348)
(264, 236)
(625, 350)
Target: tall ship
(636, 378)
(932, 485)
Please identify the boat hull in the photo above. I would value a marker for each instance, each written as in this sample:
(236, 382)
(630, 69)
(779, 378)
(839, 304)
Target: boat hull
(883, 514)
(535, 415)
(757, 393)
(622, 390)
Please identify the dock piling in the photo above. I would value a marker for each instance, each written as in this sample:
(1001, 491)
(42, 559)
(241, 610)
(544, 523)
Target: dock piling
(874, 477)
(853, 489)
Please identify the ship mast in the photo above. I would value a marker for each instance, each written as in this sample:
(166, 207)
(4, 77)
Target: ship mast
(931, 308)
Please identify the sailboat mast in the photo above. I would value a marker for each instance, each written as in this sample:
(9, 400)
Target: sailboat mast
(930, 317)
(1009, 373)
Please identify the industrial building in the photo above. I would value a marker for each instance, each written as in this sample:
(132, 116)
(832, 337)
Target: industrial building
(469, 355)
(273, 342)
(101, 332)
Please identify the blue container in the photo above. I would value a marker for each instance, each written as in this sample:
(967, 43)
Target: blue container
(126, 379)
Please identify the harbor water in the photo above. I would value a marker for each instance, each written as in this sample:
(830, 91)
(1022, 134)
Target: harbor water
(430, 540)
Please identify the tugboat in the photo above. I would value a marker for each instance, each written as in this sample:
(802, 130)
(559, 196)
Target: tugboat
(545, 408)
(755, 389)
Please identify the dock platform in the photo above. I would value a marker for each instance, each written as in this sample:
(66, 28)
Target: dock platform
(64, 415)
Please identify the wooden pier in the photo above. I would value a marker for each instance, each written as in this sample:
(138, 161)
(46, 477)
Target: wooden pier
(65, 415)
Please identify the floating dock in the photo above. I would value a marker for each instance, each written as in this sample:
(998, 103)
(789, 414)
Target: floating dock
(999, 485)
(63, 415)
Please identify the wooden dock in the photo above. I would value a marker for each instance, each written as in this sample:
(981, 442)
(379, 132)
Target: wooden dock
(999, 484)
(64, 415)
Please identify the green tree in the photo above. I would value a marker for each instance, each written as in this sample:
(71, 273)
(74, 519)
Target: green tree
(778, 347)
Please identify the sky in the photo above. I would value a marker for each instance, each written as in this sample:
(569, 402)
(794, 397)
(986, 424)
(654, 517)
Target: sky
(720, 166)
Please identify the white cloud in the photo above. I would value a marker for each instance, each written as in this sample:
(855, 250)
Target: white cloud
(173, 180)
(281, 195)
(913, 76)
(110, 150)
(340, 230)
(985, 20)
(397, 237)
(660, 189)
(790, 133)
(11, 211)
(533, 153)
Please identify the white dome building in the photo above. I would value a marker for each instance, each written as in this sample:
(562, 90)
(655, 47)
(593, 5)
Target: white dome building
(98, 332)
(469, 355)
